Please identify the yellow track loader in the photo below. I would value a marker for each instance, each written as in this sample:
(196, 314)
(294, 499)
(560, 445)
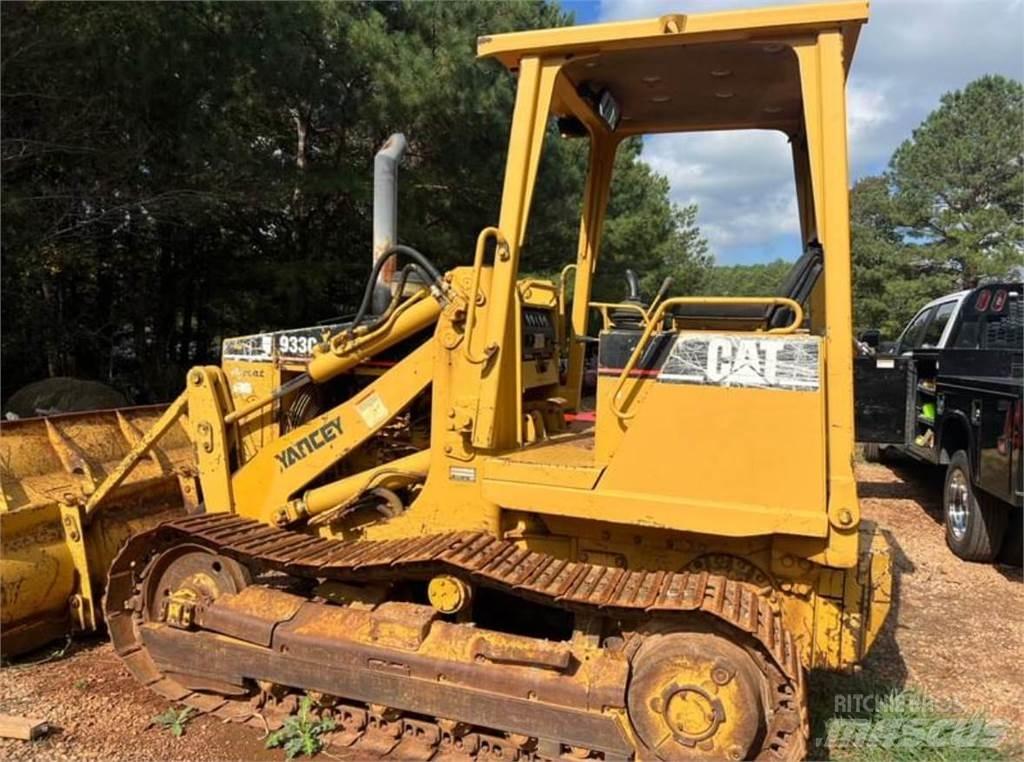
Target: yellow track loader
(399, 516)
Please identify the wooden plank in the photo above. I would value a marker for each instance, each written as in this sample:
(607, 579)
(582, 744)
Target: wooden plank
(23, 728)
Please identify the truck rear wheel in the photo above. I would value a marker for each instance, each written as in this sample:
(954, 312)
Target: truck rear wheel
(873, 453)
(975, 524)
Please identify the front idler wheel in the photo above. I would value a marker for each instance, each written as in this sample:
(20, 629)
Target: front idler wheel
(696, 695)
(185, 576)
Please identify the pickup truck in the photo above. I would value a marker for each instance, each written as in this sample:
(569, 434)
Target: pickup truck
(949, 392)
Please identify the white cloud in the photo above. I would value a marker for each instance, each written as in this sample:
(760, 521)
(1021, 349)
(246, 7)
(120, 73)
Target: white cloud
(909, 54)
(742, 183)
(867, 110)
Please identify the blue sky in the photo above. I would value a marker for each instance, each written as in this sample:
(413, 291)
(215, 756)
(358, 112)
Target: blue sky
(910, 53)
(587, 11)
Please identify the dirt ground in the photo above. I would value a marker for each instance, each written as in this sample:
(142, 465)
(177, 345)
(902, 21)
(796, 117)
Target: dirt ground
(958, 629)
(957, 634)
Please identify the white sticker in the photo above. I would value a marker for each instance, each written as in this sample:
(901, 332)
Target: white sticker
(462, 474)
(885, 362)
(296, 346)
(769, 362)
(372, 410)
(241, 388)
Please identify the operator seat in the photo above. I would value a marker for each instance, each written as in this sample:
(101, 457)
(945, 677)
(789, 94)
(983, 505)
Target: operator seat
(797, 285)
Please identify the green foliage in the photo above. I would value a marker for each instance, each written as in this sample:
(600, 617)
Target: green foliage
(177, 173)
(950, 210)
(301, 732)
(747, 280)
(958, 182)
(174, 720)
(890, 284)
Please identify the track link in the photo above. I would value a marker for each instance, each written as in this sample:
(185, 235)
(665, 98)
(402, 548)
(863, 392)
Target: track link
(480, 559)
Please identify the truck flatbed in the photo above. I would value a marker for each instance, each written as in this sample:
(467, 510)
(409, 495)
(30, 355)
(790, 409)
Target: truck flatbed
(950, 394)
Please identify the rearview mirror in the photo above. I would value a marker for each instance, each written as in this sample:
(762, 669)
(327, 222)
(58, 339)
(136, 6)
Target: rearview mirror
(872, 337)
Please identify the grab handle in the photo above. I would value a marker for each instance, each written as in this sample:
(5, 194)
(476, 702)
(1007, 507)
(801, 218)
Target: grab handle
(474, 291)
(659, 314)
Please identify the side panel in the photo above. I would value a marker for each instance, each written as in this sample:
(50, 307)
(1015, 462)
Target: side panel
(247, 382)
(1017, 467)
(984, 387)
(730, 423)
(880, 399)
(995, 446)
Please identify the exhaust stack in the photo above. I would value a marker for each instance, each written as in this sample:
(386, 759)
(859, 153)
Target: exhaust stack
(385, 214)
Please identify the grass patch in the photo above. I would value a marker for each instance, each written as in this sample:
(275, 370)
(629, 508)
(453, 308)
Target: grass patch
(174, 720)
(301, 732)
(865, 719)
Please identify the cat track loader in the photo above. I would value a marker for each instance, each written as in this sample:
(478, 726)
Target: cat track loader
(402, 519)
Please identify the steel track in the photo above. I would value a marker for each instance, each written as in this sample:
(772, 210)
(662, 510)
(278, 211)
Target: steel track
(482, 560)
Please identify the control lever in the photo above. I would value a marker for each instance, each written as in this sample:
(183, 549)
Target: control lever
(662, 290)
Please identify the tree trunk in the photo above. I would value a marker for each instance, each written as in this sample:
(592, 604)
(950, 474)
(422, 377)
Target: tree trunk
(49, 336)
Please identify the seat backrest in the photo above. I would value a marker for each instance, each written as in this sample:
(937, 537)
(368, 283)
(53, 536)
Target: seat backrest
(798, 283)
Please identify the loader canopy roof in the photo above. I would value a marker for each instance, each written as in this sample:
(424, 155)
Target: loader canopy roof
(708, 71)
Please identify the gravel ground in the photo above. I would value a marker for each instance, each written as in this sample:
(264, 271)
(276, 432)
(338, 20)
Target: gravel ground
(957, 635)
(97, 710)
(958, 630)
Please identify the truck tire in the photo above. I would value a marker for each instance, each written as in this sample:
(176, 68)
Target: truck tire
(873, 453)
(975, 522)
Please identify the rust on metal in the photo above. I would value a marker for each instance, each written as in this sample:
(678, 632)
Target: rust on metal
(72, 458)
(527, 652)
(401, 657)
(250, 615)
(54, 555)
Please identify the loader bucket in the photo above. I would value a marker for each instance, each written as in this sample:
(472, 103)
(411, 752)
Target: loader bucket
(53, 561)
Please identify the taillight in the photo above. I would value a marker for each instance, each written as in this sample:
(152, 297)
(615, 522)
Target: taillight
(999, 301)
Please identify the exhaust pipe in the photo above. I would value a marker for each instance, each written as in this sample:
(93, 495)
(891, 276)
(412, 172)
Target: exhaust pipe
(385, 215)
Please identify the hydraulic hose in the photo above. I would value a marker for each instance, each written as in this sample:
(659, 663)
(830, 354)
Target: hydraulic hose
(420, 262)
(403, 278)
